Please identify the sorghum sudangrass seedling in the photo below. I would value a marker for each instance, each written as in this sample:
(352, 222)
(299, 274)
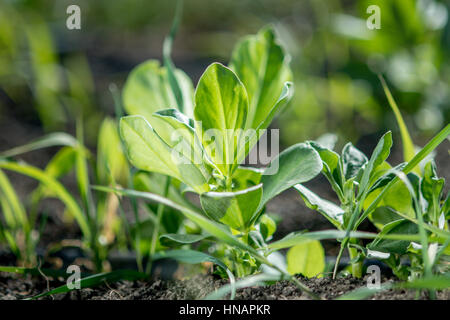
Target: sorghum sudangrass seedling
(98, 221)
(20, 228)
(17, 228)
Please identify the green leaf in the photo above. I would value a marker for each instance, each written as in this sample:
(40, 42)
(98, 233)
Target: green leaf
(307, 259)
(252, 136)
(332, 168)
(178, 121)
(297, 164)
(59, 165)
(397, 199)
(56, 187)
(430, 282)
(148, 90)
(379, 155)
(246, 177)
(81, 166)
(408, 145)
(13, 210)
(328, 209)
(394, 246)
(383, 175)
(183, 137)
(171, 238)
(427, 184)
(147, 151)
(221, 105)
(98, 279)
(50, 140)
(352, 160)
(382, 216)
(438, 282)
(188, 256)
(300, 238)
(234, 209)
(267, 226)
(429, 147)
(262, 65)
(431, 187)
(167, 51)
(329, 158)
(111, 161)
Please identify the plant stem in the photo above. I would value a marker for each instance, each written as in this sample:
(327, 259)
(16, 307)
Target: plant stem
(338, 259)
(155, 234)
(356, 266)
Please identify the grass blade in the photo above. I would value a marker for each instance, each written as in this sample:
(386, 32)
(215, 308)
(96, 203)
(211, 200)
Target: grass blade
(49, 140)
(301, 238)
(167, 51)
(98, 279)
(56, 187)
(408, 145)
(16, 216)
(432, 282)
(36, 272)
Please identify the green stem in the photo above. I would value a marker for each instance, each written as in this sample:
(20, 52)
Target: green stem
(155, 234)
(338, 259)
(356, 266)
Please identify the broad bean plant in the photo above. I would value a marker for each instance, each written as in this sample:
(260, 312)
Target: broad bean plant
(203, 141)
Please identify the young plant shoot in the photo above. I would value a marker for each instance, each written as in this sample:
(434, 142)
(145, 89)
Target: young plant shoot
(203, 146)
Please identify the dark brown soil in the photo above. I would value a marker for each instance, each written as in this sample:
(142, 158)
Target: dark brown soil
(14, 287)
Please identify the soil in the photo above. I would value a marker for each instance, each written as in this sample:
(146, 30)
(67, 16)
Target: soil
(197, 287)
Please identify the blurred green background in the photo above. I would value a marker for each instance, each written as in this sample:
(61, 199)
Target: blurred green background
(49, 74)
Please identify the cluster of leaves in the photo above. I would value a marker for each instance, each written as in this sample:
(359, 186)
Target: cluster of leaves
(405, 199)
(237, 102)
(358, 183)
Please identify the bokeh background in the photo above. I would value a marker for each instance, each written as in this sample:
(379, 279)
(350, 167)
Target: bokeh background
(49, 74)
